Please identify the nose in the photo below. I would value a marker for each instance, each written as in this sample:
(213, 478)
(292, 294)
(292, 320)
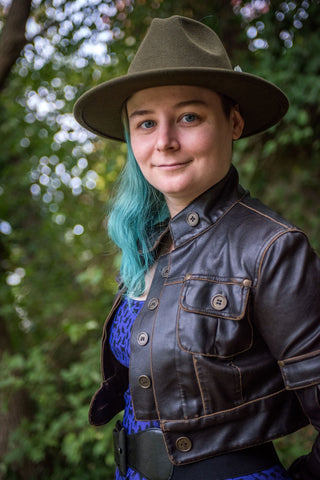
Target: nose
(167, 139)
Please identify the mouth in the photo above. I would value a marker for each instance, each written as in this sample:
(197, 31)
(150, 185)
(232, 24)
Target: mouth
(173, 166)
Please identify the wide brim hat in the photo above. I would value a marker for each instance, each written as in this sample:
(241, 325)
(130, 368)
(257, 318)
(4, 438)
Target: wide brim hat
(181, 51)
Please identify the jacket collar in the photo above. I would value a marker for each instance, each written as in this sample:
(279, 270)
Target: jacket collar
(206, 209)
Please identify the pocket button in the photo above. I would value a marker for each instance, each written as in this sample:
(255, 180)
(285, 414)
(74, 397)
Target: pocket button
(219, 302)
(184, 444)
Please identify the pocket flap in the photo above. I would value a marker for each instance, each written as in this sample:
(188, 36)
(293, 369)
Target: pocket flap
(215, 297)
(210, 313)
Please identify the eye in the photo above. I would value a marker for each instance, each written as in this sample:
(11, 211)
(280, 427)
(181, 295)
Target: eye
(189, 118)
(147, 124)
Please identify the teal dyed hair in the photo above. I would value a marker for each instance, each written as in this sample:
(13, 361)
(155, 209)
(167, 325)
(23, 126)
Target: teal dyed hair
(135, 211)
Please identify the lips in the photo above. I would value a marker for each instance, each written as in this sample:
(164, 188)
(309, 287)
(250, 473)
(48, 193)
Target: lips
(173, 166)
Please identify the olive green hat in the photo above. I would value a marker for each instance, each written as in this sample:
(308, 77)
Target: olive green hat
(181, 51)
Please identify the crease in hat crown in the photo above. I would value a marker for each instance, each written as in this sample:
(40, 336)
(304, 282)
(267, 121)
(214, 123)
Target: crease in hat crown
(183, 44)
(181, 51)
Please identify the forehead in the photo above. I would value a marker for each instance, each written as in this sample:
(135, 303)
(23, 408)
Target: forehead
(171, 95)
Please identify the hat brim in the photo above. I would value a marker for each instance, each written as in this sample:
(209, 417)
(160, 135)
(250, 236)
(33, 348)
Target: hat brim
(262, 104)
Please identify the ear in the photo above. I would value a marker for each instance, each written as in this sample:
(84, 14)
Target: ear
(237, 122)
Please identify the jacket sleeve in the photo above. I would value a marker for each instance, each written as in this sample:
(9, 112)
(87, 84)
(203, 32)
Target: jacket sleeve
(286, 307)
(307, 467)
(109, 399)
(287, 314)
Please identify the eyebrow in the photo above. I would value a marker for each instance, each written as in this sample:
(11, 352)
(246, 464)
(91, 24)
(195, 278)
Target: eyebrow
(137, 113)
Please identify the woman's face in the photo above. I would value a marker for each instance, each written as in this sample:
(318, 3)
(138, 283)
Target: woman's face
(182, 140)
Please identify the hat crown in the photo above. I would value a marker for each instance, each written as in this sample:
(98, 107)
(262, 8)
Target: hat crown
(181, 51)
(179, 42)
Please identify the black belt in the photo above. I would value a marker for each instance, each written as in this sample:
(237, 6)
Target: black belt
(146, 453)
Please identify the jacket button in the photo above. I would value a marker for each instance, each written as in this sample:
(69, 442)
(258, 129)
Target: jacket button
(184, 444)
(193, 219)
(144, 381)
(153, 303)
(165, 271)
(247, 283)
(143, 338)
(219, 302)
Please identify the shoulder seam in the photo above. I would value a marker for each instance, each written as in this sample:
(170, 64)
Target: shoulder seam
(264, 215)
(273, 240)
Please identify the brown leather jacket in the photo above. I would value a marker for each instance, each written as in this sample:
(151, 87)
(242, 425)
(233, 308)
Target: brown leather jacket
(226, 350)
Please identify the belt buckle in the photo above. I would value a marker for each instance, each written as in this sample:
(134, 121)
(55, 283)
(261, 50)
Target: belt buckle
(120, 447)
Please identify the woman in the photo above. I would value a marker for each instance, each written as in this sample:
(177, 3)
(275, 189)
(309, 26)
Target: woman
(212, 345)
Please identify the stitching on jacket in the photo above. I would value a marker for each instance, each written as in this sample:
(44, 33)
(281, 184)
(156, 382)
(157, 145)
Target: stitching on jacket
(221, 412)
(264, 215)
(178, 375)
(199, 384)
(233, 281)
(213, 225)
(271, 242)
(240, 379)
(291, 360)
(159, 238)
(151, 366)
(287, 228)
(208, 354)
(166, 284)
(188, 308)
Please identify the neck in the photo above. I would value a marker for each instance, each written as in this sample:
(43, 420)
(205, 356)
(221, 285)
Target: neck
(175, 206)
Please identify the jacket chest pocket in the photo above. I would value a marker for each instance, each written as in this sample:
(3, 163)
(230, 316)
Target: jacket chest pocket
(212, 316)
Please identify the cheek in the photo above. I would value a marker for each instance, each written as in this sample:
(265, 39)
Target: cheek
(140, 151)
(203, 145)
(217, 142)
(215, 150)
(134, 145)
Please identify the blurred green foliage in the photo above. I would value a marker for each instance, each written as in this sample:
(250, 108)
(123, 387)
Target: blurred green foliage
(57, 268)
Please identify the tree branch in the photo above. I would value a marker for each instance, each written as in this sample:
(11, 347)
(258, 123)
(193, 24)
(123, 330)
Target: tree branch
(13, 37)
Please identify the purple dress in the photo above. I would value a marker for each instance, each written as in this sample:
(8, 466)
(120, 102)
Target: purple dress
(120, 346)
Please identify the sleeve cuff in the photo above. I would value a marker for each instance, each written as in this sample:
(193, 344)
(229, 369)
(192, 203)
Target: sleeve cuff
(300, 372)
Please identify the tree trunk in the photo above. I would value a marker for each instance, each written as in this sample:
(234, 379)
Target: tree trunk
(14, 406)
(13, 38)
